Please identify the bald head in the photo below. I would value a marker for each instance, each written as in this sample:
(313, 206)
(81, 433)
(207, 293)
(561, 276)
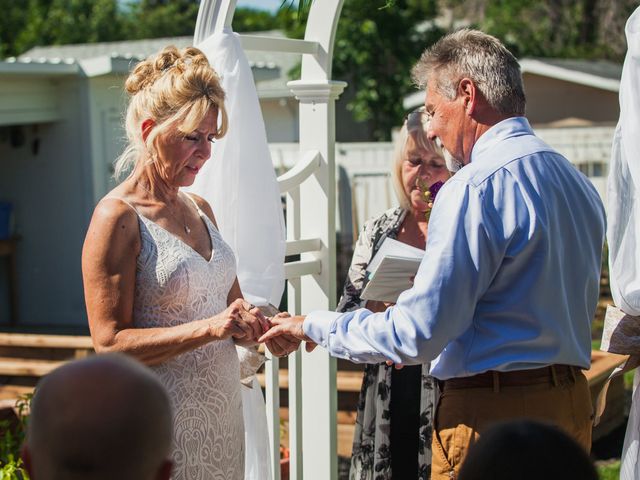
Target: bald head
(103, 417)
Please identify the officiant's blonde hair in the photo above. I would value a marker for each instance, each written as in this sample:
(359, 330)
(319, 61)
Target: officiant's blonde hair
(174, 88)
(415, 126)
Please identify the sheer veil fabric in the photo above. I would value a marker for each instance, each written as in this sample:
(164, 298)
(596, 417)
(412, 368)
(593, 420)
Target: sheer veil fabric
(623, 216)
(239, 181)
(240, 184)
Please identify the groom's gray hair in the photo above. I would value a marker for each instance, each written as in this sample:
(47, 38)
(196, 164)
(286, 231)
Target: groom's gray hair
(106, 416)
(480, 57)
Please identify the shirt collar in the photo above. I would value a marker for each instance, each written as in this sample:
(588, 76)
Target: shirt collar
(511, 127)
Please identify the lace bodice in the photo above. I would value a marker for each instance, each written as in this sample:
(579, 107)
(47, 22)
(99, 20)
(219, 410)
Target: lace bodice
(176, 285)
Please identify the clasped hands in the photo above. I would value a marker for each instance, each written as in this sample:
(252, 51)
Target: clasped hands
(247, 324)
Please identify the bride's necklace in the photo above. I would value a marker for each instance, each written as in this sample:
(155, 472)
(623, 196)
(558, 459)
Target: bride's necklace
(186, 228)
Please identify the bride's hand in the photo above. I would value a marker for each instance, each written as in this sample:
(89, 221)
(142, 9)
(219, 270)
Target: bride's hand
(239, 320)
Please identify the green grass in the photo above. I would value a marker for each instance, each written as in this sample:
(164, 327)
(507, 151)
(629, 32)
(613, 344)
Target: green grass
(610, 471)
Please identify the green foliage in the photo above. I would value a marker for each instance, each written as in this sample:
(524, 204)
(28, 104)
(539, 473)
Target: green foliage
(58, 22)
(161, 18)
(250, 20)
(12, 21)
(610, 471)
(377, 43)
(586, 29)
(11, 438)
(31, 23)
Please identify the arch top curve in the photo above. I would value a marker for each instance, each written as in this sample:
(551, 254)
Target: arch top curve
(322, 23)
(213, 16)
(321, 27)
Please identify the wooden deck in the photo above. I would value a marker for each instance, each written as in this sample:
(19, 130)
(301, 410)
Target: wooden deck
(25, 358)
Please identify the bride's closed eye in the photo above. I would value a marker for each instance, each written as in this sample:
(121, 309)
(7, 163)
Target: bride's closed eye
(196, 138)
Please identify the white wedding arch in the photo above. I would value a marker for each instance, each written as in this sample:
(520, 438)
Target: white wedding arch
(310, 193)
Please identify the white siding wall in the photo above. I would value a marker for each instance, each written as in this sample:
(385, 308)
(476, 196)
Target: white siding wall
(106, 103)
(28, 100)
(50, 188)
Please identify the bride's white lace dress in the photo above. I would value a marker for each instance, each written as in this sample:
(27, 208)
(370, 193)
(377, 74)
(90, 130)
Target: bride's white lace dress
(175, 285)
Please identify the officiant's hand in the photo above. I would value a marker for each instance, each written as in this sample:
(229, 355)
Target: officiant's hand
(288, 327)
(282, 345)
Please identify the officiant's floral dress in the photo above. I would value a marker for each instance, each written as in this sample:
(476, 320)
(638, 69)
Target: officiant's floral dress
(381, 425)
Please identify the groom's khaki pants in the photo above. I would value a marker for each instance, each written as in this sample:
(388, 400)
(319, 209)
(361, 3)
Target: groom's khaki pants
(468, 406)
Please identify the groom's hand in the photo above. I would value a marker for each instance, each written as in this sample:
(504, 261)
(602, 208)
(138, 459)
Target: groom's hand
(289, 328)
(282, 345)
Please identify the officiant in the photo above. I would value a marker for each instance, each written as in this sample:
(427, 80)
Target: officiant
(399, 445)
(505, 295)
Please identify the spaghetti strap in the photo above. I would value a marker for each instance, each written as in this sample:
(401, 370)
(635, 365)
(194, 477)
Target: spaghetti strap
(208, 220)
(195, 204)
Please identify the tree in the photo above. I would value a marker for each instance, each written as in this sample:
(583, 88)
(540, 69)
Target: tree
(587, 29)
(173, 18)
(251, 20)
(162, 18)
(57, 22)
(12, 21)
(377, 43)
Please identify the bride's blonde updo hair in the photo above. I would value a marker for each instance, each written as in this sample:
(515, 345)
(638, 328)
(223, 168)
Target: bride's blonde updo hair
(176, 89)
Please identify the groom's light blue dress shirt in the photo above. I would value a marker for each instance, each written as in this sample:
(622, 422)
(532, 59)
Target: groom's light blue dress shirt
(510, 276)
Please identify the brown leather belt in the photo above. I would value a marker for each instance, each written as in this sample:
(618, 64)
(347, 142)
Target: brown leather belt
(553, 374)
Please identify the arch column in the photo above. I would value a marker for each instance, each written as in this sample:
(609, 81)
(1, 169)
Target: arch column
(313, 419)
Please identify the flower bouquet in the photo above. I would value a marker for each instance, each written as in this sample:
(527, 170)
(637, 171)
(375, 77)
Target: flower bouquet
(429, 194)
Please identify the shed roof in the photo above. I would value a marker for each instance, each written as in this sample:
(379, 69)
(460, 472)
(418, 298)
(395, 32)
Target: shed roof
(270, 69)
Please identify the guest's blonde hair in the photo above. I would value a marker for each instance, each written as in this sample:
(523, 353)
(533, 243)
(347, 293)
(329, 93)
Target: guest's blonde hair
(176, 89)
(414, 125)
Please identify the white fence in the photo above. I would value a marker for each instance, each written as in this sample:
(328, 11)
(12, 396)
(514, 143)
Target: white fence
(588, 148)
(363, 170)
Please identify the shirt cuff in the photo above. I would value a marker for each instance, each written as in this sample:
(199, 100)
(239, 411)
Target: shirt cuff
(319, 325)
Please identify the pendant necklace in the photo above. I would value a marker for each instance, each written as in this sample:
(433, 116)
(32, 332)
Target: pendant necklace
(186, 228)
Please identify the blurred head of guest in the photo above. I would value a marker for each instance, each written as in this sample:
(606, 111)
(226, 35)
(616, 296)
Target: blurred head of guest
(526, 450)
(103, 417)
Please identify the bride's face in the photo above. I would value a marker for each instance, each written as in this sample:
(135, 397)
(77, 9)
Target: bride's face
(181, 156)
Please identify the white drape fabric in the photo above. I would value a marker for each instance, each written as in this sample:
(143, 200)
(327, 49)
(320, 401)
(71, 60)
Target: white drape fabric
(239, 183)
(623, 233)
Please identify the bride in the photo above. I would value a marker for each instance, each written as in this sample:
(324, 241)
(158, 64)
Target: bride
(160, 282)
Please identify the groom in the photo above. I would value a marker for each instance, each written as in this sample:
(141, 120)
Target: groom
(503, 301)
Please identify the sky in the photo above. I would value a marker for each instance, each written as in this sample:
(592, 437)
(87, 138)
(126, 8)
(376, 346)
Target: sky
(271, 5)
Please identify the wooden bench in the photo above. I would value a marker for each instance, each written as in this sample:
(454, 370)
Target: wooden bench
(79, 343)
(346, 381)
(25, 358)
